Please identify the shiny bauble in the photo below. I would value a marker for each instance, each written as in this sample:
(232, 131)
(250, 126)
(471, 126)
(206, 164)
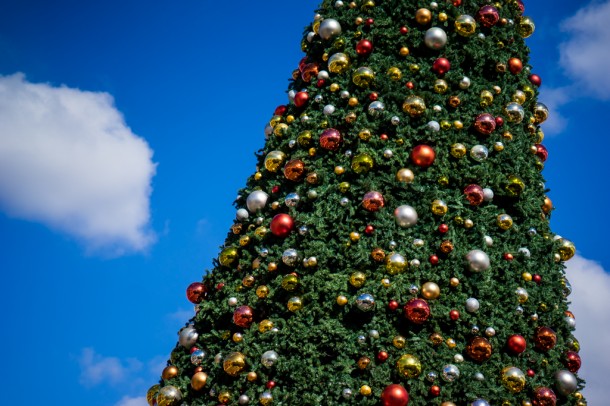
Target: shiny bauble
(274, 160)
(450, 373)
(541, 113)
(430, 291)
(435, 38)
(365, 302)
(301, 99)
(544, 397)
(566, 249)
(514, 186)
(479, 349)
(256, 200)
(423, 16)
(309, 72)
(525, 27)
(281, 225)
(169, 372)
(485, 124)
(196, 292)
(269, 358)
(439, 207)
(488, 16)
(228, 256)
(409, 366)
(474, 194)
(363, 77)
(414, 106)
(513, 379)
(292, 199)
(479, 402)
(290, 257)
(265, 398)
(242, 215)
(465, 25)
(478, 261)
(441, 66)
(394, 395)
(515, 66)
(479, 153)
(338, 63)
(331, 139)
(516, 344)
(234, 363)
(545, 339)
(362, 163)
(294, 170)
(290, 282)
(376, 108)
(395, 263)
(329, 29)
(565, 382)
(541, 152)
(169, 396)
(294, 304)
(504, 221)
(423, 156)
(373, 201)
(417, 311)
(243, 399)
(406, 216)
(514, 112)
(405, 175)
(472, 305)
(535, 80)
(357, 279)
(151, 395)
(364, 47)
(199, 380)
(572, 361)
(243, 316)
(188, 337)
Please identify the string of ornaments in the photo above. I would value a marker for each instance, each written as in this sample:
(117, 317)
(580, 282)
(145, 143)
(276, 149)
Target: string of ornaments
(358, 120)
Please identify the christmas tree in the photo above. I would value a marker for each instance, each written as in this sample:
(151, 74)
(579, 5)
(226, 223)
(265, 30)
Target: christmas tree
(393, 246)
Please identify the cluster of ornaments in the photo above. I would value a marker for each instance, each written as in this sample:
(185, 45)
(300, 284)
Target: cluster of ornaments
(268, 213)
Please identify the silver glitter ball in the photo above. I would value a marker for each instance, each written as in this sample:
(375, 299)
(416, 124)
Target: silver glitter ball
(480, 402)
(374, 334)
(479, 377)
(465, 83)
(329, 29)
(242, 214)
(269, 358)
(303, 230)
(436, 38)
(365, 302)
(292, 199)
(479, 153)
(188, 337)
(565, 382)
(472, 305)
(232, 301)
(488, 194)
(361, 340)
(478, 261)
(344, 201)
(290, 257)
(376, 108)
(450, 373)
(256, 200)
(514, 112)
(395, 120)
(406, 216)
(243, 399)
(197, 357)
(434, 126)
(329, 109)
(490, 331)
(432, 376)
(264, 252)
(346, 393)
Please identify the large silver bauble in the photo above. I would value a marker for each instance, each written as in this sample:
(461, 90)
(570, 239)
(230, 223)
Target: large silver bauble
(290, 257)
(436, 38)
(479, 153)
(365, 302)
(256, 200)
(243, 399)
(169, 395)
(565, 382)
(480, 402)
(406, 216)
(514, 112)
(242, 215)
(269, 358)
(188, 337)
(472, 305)
(329, 29)
(451, 372)
(478, 261)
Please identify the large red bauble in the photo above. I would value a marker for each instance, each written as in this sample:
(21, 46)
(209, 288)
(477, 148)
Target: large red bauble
(535, 80)
(364, 47)
(485, 123)
(441, 66)
(280, 110)
(423, 155)
(281, 225)
(545, 338)
(373, 201)
(242, 316)
(196, 291)
(515, 66)
(417, 311)
(488, 16)
(474, 194)
(573, 361)
(516, 344)
(330, 139)
(544, 397)
(395, 395)
(300, 99)
(542, 152)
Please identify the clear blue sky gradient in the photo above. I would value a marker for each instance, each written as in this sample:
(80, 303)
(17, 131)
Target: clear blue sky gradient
(198, 80)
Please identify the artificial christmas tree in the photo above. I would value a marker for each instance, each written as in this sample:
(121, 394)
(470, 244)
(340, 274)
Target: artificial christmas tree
(393, 246)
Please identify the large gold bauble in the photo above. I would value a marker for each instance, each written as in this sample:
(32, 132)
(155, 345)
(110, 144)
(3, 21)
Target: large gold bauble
(151, 395)
(265, 326)
(199, 380)
(169, 396)
(541, 113)
(465, 25)
(525, 27)
(405, 175)
(423, 16)
(439, 207)
(430, 291)
(274, 160)
(362, 163)
(262, 292)
(414, 106)
(234, 364)
(290, 282)
(515, 186)
(169, 372)
(513, 379)
(224, 397)
(409, 366)
(295, 304)
(440, 86)
(504, 221)
(395, 263)
(363, 77)
(228, 256)
(338, 63)
(399, 342)
(567, 249)
(458, 150)
(395, 73)
(357, 279)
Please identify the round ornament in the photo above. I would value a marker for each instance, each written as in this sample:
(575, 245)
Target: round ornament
(274, 160)
(290, 282)
(543, 396)
(395, 263)
(329, 29)
(295, 304)
(479, 349)
(566, 249)
(541, 113)
(409, 366)
(281, 225)
(256, 200)
(151, 395)
(545, 339)
(513, 379)
(294, 170)
(331, 139)
(423, 16)
(196, 292)
(515, 66)
(373, 201)
(243, 316)
(516, 344)
(414, 106)
(514, 112)
(169, 396)
(465, 25)
(478, 261)
(300, 100)
(441, 66)
(406, 216)
(188, 337)
(338, 63)
(234, 363)
(365, 302)
(405, 175)
(290, 257)
(472, 305)
(435, 38)
(479, 153)
(572, 361)
(199, 380)
(565, 382)
(450, 373)
(362, 163)
(394, 395)
(269, 358)
(363, 77)
(525, 27)
(364, 47)
(417, 311)
(479, 402)
(474, 194)
(430, 291)
(488, 16)
(423, 156)
(485, 124)
(169, 372)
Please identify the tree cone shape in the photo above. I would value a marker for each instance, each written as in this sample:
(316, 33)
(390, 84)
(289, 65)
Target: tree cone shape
(310, 356)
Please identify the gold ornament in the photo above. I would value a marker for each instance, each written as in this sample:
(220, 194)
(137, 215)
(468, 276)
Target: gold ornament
(265, 326)
(567, 249)
(280, 130)
(363, 77)
(234, 364)
(399, 342)
(385, 282)
(362, 163)
(395, 73)
(513, 379)
(260, 232)
(441, 86)
(445, 125)
(547, 207)
(450, 342)
(423, 16)
(304, 139)
(409, 366)
(290, 282)
(352, 102)
(354, 236)
(169, 372)
(365, 390)
(262, 292)
(237, 337)
(439, 207)
(378, 254)
(446, 247)
(151, 395)
(244, 240)
(404, 51)
(458, 124)
(341, 300)
(430, 291)
(224, 397)
(487, 98)
(365, 134)
(405, 175)
(344, 187)
(295, 304)
(465, 25)
(248, 281)
(395, 263)
(458, 151)
(515, 186)
(357, 279)
(442, 17)
(414, 106)
(504, 221)
(436, 339)
(541, 113)
(526, 27)
(252, 377)
(228, 256)
(519, 97)
(274, 160)
(199, 380)
(363, 362)
(526, 276)
(454, 102)
(454, 282)
(338, 63)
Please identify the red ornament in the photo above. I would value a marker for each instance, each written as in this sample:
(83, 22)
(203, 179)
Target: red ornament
(485, 124)
(404, 30)
(479, 349)
(373, 96)
(488, 16)
(435, 390)
(441, 66)
(373, 201)
(384, 137)
(531, 373)
(423, 156)
(454, 315)
(541, 152)
(545, 338)
(443, 228)
(537, 278)
(364, 47)
(193, 349)
(369, 22)
(393, 305)
(474, 194)
(198, 369)
(320, 82)
(243, 316)
(410, 85)
(508, 256)
(394, 395)
(535, 80)
(382, 356)
(417, 311)
(309, 72)
(280, 110)
(294, 170)
(331, 139)
(302, 63)
(270, 385)
(544, 397)
(300, 99)
(369, 230)
(457, 3)
(433, 259)
(521, 6)
(281, 225)
(499, 121)
(220, 286)
(515, 66)
(516, 344)
(275, 189)
(196, 292)
(573, 361)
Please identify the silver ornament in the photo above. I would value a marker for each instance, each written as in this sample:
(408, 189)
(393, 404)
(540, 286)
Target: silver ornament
(269, 358)
(344, 201)
(432, 376)
(171, 394)
(265, 398)
(259, 220)
(437, 108)
(436, 38)
(479, 153)
(292, 143)
(393, 245)
(303, 230)
(275, 330)
(346, 393)
(232, 301)
(395, 120)
(291, 95)
(434, 5)
(197, 357)
(256, 200)
(478, 261)
(292, 199)
(567, 288)
(365, 302)
(388, 153)
(480, 402)
(418, 243)
(242, 214)
(344, 94)
(475, 329)
(565, 382)
(376, 108)
(218, 358)
(406, 216)
(525, 252)
(329, 29)
(519, 310)
(310, 36)
(522, 295)
(290, 257)
(243, 399)
(479, 377)
(415, 263)
(465, 83)
(361, 340)
(488, 241)
(317, 17)
(532, 232)
(305, 118)
(374, 334)
(472, 305)
(481, 36)
(323, 75)
(451, 372)
(318, 98)
(414, 289)
(434, 126)
(264, 252)
(534, 317)
(488, 194)
(514, 112)
(458, 358)
(329, 109)
(348, 153)
(490, 331)
(312, 194)
(188, 337)
(570, 322)
(268, 131)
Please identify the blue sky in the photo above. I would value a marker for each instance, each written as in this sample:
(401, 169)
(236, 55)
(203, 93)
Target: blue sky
(160, 108)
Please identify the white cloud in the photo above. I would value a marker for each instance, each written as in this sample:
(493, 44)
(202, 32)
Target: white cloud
(590, 304)
(127, 401)
(69, 161)
(554, 99)
(97, 369)
(585, 55)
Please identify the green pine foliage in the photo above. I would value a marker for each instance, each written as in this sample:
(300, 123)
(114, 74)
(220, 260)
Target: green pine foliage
(332, 348)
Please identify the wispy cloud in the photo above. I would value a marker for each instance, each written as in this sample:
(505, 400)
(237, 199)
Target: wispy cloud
(128, 401)
(554, 99)
(69, 161)
(97, 369)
